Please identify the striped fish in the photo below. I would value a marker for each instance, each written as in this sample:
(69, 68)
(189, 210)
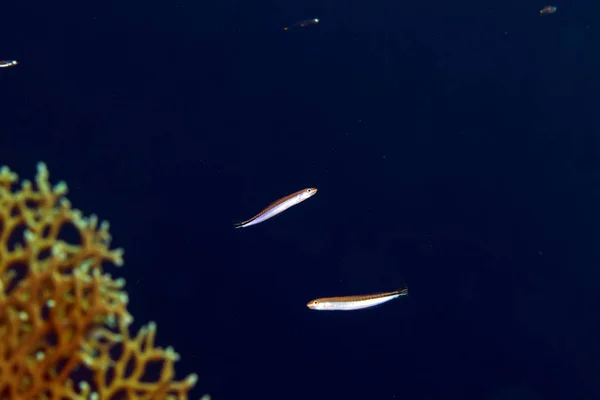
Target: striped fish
(278, 207)
(348, 303)
(7, 63)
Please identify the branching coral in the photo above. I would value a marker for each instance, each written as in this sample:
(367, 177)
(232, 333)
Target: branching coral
(64, 323)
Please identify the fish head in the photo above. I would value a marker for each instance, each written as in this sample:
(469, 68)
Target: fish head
(308, 192)
(313, 304)
(317, 305)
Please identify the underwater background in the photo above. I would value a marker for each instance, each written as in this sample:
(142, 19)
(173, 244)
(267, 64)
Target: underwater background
(455, 147)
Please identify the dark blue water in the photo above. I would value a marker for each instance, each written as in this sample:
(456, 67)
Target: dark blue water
(455, 146)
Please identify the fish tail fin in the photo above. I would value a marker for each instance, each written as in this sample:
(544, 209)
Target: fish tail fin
(403, 291)
(238, 225)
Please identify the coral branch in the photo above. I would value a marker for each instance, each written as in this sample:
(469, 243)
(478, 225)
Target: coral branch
(64, 323)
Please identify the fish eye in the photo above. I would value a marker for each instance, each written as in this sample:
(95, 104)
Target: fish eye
(309, 190)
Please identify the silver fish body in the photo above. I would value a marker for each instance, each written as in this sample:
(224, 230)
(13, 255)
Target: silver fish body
(349, 303)
(278, 207)
(7, 63)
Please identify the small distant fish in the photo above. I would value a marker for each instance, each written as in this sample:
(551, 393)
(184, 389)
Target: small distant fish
(548, 10)
(278, 207)
(348, 303)
(7, 63)
(302, 24)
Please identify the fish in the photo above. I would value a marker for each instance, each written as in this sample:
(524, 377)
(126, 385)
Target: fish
(7, 63)
(302, 24)
(349, 303)
(548, 10)
(278, 207)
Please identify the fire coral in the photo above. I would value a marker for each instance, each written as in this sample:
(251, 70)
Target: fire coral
(64, 323)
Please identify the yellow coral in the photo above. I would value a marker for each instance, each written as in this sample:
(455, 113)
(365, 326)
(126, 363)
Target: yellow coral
(64, 324)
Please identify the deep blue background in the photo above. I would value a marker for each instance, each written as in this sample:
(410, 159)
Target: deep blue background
(455, 146)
